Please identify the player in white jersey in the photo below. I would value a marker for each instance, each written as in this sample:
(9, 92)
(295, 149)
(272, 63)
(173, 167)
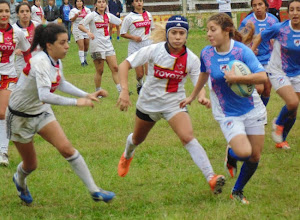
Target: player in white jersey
(26, 25)
(241, 119)
(37, 12)
(10, 38)
(137, 27)
(285, 68)
(101, 48)
(30, 112)
(170, 62)
(77, 14)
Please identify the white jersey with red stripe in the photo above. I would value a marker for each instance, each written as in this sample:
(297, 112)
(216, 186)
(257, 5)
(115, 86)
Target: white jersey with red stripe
(83, 13)
(37, 14)
(10, 39)
(138, 25)
(99, 26)
(41, 72)
(164, 86)
(29, 34)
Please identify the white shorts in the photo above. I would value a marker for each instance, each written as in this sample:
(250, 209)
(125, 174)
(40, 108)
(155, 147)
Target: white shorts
(102, 55)
(252, 123)
(135, 46)
(22, 129)
(280, 80)
(79, 35)
(156, 116)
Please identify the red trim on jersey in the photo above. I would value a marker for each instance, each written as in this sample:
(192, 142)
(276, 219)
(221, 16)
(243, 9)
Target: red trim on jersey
(146, 23)
(40, 13)
(83, 13)
(103, 24)
(5, 81)
(174, 75)
(7, 44)
(27, 55)
(58, 78)
(27, 68)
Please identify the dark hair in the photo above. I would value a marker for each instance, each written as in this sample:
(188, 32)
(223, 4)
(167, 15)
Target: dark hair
(4, 2)
(290, 2)
(226, 24)
(265, 1)
(44, 34)
(34, 2)
(129, 3)
(76, 1)
(19, 6)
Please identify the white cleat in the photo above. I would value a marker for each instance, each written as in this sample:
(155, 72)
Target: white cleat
(4, 159)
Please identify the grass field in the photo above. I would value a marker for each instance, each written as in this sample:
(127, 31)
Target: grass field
(163, 182)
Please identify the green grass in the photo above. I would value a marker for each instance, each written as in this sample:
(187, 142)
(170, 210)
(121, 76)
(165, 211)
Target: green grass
(163, 182)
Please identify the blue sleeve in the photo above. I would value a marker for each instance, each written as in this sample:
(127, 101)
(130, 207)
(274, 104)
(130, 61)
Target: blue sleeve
(251, 61)
(270, 32)
(202, 67)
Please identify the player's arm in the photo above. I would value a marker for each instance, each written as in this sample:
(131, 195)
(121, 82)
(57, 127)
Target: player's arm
(131, 37)
(124, 101)
(203, 77)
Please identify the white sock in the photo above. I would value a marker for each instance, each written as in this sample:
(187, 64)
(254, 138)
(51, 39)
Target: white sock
(80, 168)
(98, 88)
(85, 54)
(81, 56)
(21, 175)
(3, 137)
(200, 158)
(141, 82)
(129, 150)
(119, 88)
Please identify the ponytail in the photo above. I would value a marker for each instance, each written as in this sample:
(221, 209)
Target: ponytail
(237, 36)
(159, 33)
(44, 34)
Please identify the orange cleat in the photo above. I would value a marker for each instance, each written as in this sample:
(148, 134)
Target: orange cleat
(216, 183)
(123, 166)
(283, 145)
(277, 131)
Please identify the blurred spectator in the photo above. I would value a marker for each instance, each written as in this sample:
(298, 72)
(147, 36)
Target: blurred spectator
(13, 14)
(225, 6)
(64, 15)
(115, 8)
(51, 12)
(274, 7)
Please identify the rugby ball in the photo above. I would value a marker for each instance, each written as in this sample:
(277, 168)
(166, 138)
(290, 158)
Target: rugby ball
(240, 69)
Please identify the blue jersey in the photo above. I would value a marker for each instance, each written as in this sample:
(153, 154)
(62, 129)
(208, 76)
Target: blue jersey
(215, 64)
(287, 55)
(265, 48)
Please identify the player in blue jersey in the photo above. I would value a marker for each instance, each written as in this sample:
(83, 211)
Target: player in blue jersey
(241, 119)
(285, 68)
(261, 20)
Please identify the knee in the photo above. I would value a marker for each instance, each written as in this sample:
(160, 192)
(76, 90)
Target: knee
(187, 139)
(255, 158)
(66, 149)
(2, 115)
(99, 72)
(115, 69)
(293, 105)
(244, 153)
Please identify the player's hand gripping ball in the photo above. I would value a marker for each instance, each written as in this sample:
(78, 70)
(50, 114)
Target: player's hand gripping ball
(240, 69)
